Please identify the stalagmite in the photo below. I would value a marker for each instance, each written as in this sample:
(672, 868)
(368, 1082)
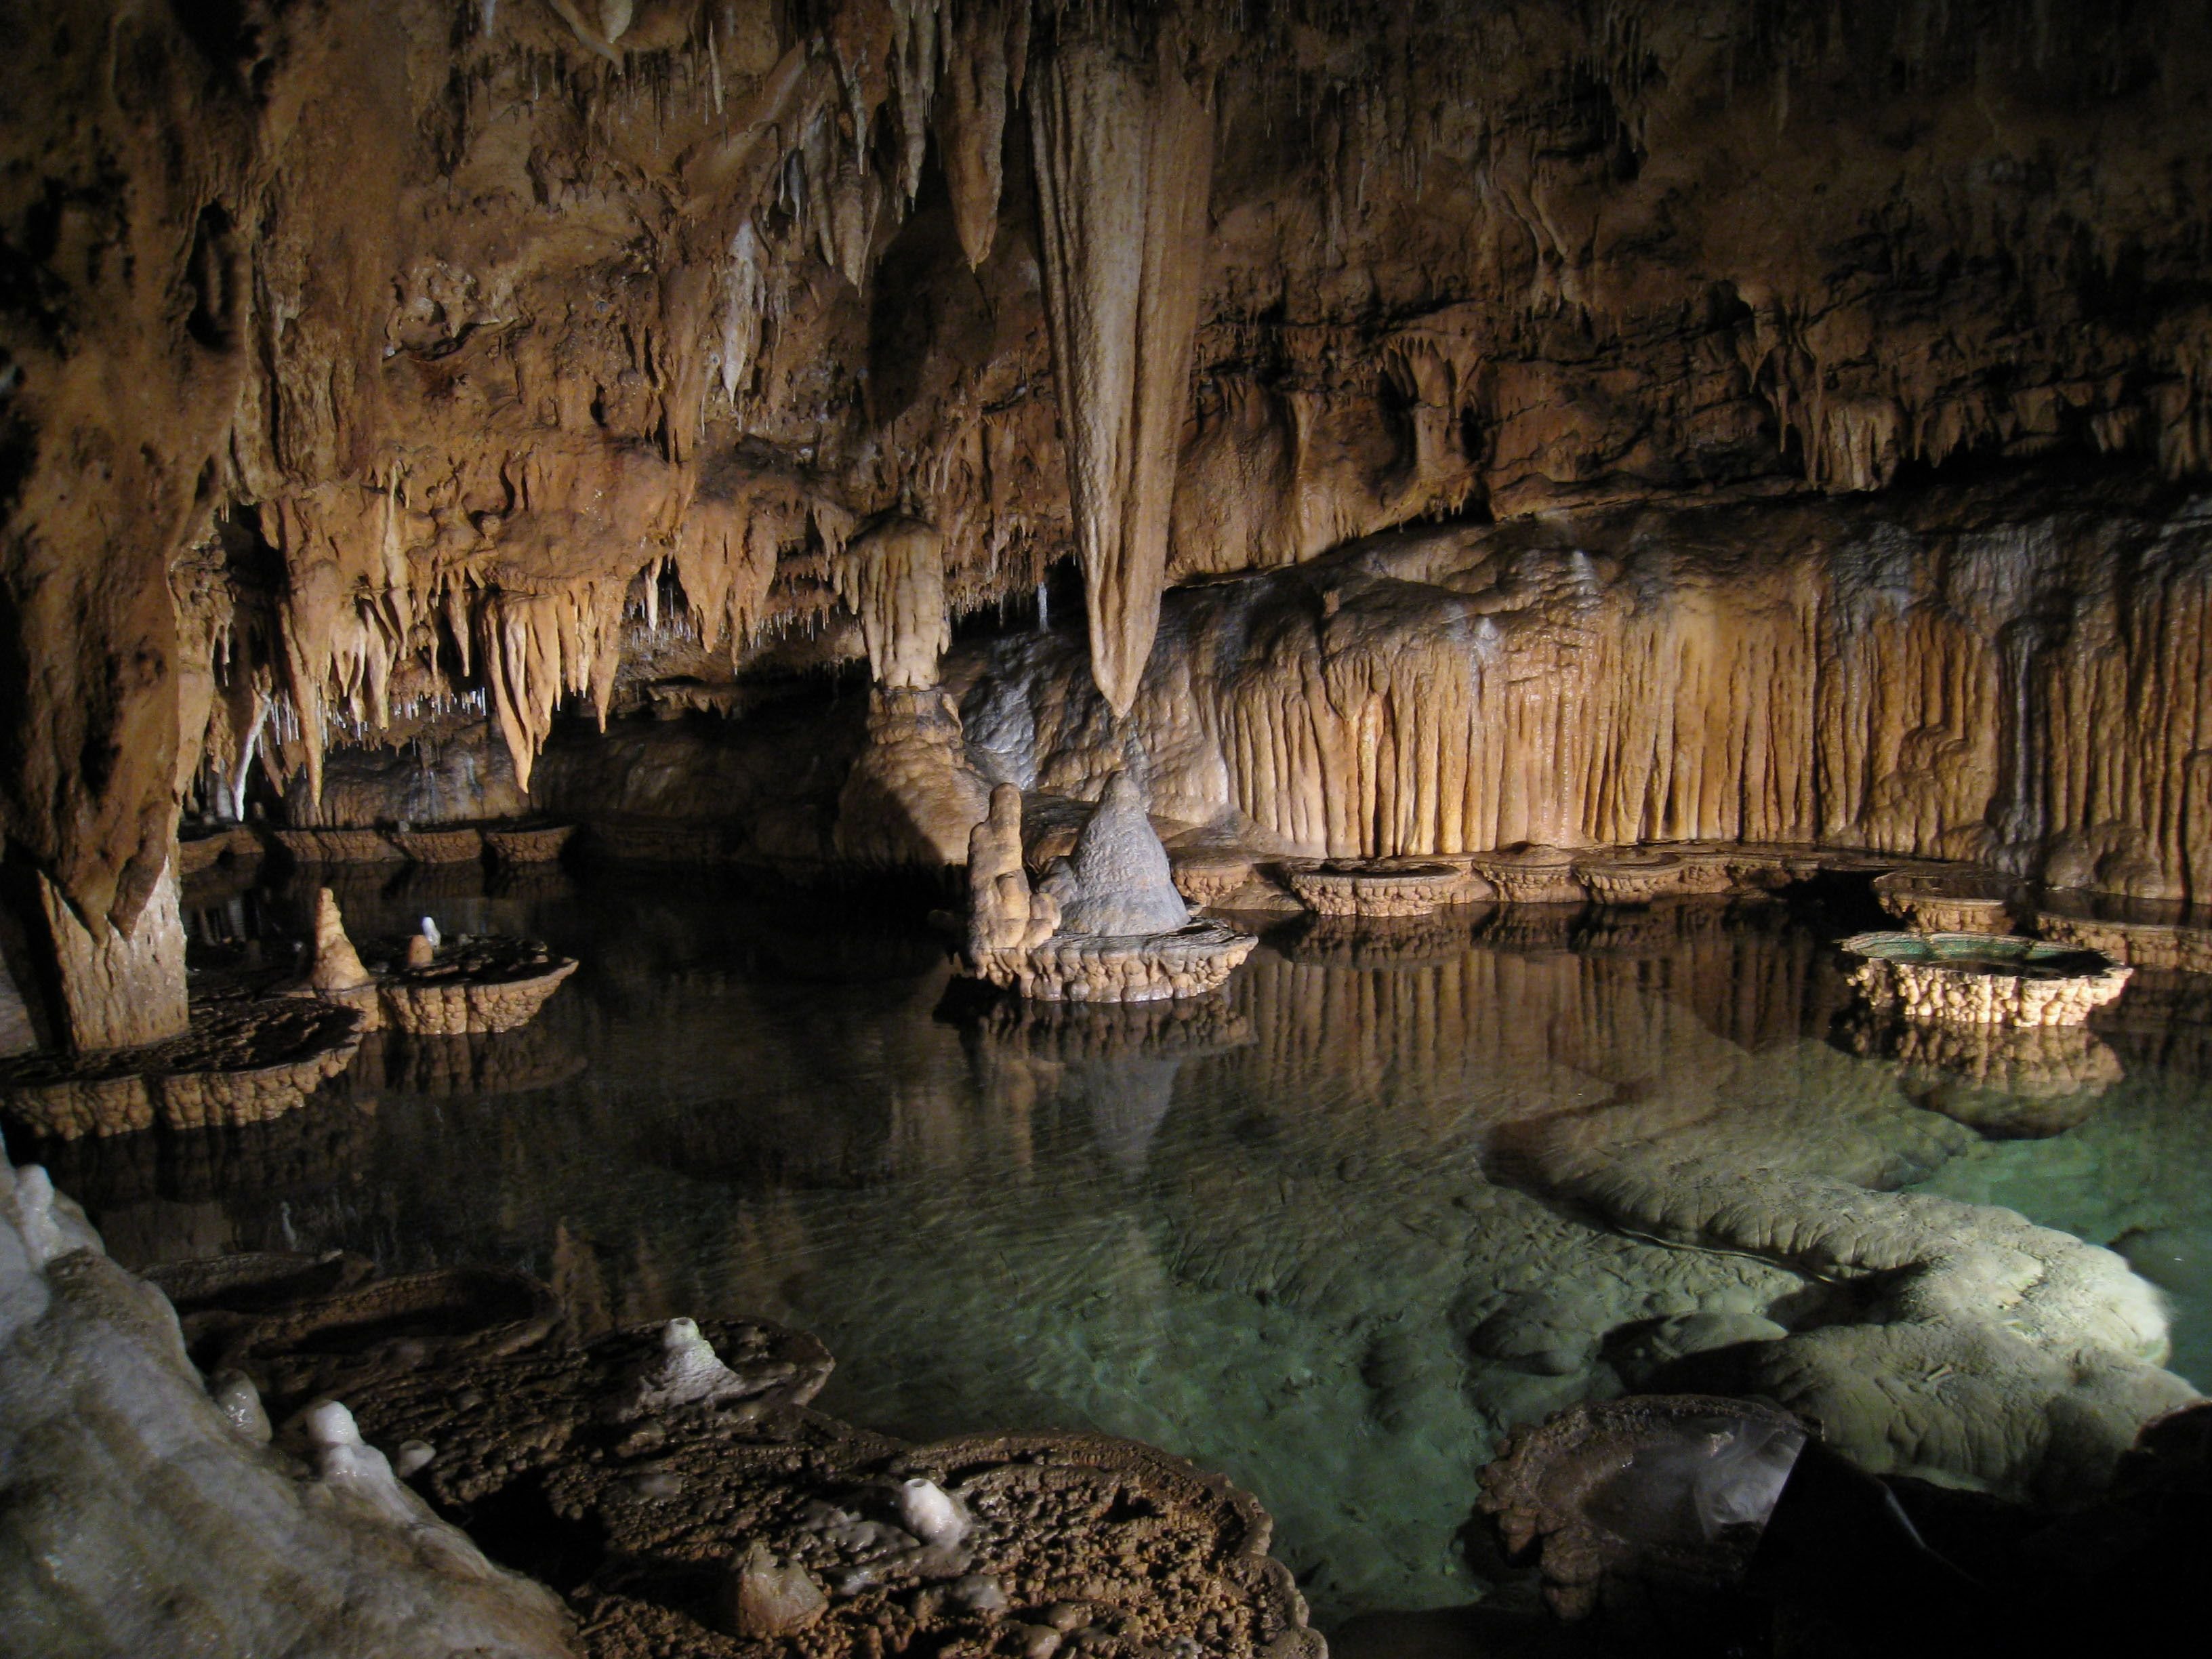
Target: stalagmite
(1116, 884)
(337, 964)
(1003, 913)
(1124, 153)
(116, 988)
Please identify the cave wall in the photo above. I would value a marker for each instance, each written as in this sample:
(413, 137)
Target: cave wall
(2006, 673)
(424, 345)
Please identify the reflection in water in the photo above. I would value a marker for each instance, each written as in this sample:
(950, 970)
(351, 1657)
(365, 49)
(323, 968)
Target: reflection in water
(1271, 1231)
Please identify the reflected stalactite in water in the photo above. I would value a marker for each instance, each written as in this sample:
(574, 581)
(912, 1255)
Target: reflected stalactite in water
(1115, 1062)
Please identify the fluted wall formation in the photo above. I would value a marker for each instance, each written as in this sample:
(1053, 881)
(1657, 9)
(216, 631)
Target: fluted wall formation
(1964, 676)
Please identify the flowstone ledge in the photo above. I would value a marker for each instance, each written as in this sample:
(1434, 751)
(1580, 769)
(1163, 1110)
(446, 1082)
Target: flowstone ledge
(367, 1332)
(1531, 875)
(460, 845)
(1982, 978)
(340, 846)
(1212, 875)
(1383, 887)
(1949, 899)
(242, 1061)
(1192, 962)
(234, 845)
(2178, 943)
(528, 844)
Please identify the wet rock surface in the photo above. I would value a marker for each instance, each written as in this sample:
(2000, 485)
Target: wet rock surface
(209, 1538)
(244, 1060)
(715, 1518)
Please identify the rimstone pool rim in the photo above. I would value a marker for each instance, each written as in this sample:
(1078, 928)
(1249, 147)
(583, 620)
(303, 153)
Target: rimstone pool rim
(1983, 978)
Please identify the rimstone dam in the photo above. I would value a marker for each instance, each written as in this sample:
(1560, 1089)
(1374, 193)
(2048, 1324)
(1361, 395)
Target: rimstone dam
(1105, 828)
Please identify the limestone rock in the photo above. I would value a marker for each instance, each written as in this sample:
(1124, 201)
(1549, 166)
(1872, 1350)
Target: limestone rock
(1118, 883)
(101, 1414)
(762, 1597)
(1385, 702)
(913, 796)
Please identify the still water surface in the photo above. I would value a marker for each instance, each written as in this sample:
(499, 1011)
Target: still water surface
(1263, 1231)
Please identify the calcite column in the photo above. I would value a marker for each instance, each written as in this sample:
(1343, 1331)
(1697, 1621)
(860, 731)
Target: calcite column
(1123, 141)
(912, 797)
(89, 989)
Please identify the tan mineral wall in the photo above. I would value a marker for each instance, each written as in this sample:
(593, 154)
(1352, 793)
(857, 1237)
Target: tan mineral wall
(2016, 677)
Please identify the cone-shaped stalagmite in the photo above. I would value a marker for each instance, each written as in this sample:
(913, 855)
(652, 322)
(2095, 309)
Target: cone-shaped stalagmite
(337, 965)
(1124, 148)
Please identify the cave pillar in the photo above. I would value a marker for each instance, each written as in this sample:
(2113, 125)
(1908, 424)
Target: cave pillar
(1123, 141)
(913, 796)
(87, 989)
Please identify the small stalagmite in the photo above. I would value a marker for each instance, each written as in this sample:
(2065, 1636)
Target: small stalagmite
(1003, 913)
(338, 966)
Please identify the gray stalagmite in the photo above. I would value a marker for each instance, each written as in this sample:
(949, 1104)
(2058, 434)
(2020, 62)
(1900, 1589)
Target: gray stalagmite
(1117, 884)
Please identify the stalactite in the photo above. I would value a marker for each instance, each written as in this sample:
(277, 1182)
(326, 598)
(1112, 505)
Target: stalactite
(892, 576)
(1124, 153)
(984, 42)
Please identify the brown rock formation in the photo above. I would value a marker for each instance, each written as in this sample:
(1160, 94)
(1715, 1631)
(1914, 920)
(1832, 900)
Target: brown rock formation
(1124, 153)
(1996, 674)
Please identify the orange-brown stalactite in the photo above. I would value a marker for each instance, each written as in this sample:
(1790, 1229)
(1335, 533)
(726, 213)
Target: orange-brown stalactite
(1124, 155)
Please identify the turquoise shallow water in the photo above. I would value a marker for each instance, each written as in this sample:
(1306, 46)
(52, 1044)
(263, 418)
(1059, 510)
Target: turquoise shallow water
(1266, 1232)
